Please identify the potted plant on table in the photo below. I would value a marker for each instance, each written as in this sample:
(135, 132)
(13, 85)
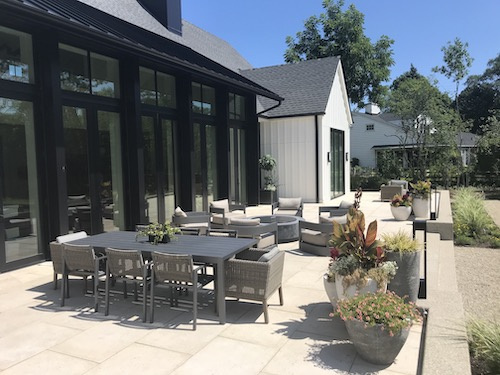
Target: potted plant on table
(359, 262)
(405, 251)
(401, 206)
(421, 192)
(159, 233)
(269, 193)
(378, 324)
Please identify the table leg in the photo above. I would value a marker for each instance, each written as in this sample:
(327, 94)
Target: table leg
(221, 299)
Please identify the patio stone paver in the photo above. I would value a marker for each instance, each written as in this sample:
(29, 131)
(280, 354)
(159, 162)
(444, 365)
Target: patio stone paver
(301, 338)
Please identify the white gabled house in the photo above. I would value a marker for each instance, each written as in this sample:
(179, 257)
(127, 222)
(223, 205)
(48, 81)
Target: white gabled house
(309, 133)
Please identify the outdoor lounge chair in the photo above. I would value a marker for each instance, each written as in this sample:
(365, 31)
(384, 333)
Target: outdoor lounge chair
(315, 237)
(288, 206)
(387, 192)
(191, 219)
(222, 212)
(265, 233)
(255, 275)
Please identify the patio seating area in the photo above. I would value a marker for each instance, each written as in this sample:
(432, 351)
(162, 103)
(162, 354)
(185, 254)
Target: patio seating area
(37, 335)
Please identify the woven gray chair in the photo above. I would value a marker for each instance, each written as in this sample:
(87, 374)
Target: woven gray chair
(127, 266)
(177, 272)
(255, 275)
(80, 260)
(190, 231)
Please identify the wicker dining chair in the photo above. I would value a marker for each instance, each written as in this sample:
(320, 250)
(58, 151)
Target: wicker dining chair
(255, 275)
(216, 232)
(129, 267)
(190, 231)
(176, 272)
(83, 261)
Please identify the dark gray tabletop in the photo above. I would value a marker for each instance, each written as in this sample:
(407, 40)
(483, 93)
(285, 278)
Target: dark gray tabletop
(202, 248)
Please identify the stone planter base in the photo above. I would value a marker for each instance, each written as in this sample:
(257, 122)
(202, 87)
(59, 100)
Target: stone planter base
(331, 291)
(407, 280)
(401, 213)
(374, 344)
(370, 287)
(421, 208)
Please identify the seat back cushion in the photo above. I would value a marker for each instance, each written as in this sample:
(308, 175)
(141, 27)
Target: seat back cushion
(269, 255)
(339, 219)
(223, 203)
(243, 221)
(402, 183)
(289, 203)
(71, 237)
(315, 238)
(345, 204)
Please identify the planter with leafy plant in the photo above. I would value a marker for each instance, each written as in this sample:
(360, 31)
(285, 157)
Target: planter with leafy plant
(405, 251)
(421, 192)
(378, 324)
(159, 233)
(359, 263)
(268, 193)
(401, 206)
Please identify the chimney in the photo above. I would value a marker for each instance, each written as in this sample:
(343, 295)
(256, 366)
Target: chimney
(372, 109)
(167, 12)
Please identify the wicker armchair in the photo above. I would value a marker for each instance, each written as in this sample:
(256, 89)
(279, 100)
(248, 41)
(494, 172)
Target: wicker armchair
(288, 206)
(127, 266)
(387, 192)
(56, 255)
(80, 260)
(174, 271)
(250, 277)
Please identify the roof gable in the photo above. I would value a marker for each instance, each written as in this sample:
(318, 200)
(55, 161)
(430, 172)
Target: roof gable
(305, 86)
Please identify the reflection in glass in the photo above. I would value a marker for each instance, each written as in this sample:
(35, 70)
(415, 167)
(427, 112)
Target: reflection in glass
(16, 56)
(74, 69)
(105, 76)
(77, 172)
(237, 160)
(205, 165)
(150, 177)
(196, 93)
(203, 100)
(18, 175)
(169, 165)
(198, 180)
(337, 163)
(148, 89)
(236, 107)
(110, 171)
(211, 166)
(166, 90)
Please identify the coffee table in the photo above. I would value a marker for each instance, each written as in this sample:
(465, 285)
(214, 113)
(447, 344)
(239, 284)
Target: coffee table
(288, 226)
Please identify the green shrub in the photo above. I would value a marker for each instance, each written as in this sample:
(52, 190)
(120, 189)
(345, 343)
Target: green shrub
(470, 218)
(462, 240)
(484, 344)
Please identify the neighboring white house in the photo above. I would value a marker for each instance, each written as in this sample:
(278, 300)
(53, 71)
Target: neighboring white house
(374, 131)
(309, 133)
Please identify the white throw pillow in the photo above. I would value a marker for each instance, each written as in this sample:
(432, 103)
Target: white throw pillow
(289, 203)
(223, 203)
(71, 237)
(249, 222)
(178, 212)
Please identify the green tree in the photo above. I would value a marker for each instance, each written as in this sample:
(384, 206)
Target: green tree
(457, 62)
(341, 33)
(429, 127)
(481, 96)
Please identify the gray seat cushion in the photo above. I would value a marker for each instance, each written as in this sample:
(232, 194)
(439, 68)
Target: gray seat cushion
(315, 238)
(269, 255)
(289, 203)
(339, 219)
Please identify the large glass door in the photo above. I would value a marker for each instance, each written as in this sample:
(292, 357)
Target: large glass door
(159, 167)
(337, 166)
(94, 179)
(238, 175)
(19, 207)
(205, 165)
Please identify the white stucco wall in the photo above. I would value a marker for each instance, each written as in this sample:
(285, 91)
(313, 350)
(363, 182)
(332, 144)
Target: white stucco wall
(362, 140)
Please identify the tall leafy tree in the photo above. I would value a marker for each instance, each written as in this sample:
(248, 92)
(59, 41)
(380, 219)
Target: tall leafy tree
(457, 62)
(341, 33)
(481, 96)
(429, 127)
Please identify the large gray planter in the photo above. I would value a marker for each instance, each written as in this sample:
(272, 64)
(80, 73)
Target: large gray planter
(407, 279)
(374, 344)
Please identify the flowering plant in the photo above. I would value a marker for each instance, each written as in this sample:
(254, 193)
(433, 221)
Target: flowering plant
(157, 231)
(421, 189)
(386, 309)
(402, 200)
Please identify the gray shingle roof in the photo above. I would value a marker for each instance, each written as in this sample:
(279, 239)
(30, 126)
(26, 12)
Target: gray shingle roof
(305, 85)
(193, 37)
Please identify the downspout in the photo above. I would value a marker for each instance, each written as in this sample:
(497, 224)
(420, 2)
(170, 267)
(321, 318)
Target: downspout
(316, 123)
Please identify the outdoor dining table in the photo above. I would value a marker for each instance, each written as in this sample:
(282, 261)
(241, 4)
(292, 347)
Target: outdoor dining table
(205, 249)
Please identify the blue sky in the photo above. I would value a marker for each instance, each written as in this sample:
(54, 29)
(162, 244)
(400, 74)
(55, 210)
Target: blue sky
(258, 28)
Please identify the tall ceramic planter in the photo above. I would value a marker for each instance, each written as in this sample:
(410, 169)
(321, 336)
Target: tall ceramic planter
(421, 207)
(407, 279)
(374, 344)
(343, 292)
(331, 290)
(401, 213)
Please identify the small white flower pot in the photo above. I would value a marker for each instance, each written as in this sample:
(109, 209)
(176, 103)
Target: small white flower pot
(401, 213)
